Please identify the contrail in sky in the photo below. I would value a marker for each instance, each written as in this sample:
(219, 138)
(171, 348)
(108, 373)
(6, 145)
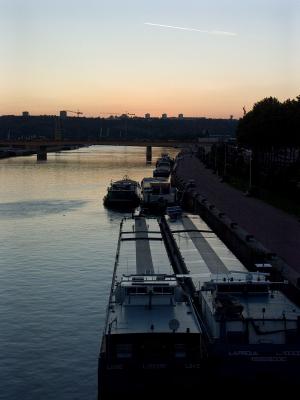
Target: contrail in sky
(193, 29)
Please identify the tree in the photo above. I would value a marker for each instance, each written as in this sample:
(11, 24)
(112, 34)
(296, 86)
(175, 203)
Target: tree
(271, 124)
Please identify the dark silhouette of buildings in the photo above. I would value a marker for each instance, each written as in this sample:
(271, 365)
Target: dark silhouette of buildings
(136, 128)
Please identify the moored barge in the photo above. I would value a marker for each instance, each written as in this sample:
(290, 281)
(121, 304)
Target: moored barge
(252, 329)
(152, 337)
(185, 313)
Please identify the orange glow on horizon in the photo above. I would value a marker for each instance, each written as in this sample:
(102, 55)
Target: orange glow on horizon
(201, 99)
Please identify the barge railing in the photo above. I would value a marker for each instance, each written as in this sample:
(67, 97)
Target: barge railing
(114, 275)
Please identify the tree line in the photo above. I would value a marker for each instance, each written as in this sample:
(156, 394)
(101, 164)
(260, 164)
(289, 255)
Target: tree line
(271, 123)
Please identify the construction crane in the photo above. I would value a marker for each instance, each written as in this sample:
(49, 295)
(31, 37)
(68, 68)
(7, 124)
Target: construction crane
(75, 112)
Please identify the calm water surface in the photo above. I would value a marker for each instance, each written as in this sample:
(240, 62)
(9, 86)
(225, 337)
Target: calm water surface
(57, 251)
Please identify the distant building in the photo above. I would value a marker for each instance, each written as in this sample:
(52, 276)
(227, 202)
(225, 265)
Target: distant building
(63, 114)
(164, 116)
(180, 116)
(147, 116)
(25, 114)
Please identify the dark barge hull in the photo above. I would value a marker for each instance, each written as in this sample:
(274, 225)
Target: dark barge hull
(219, 376)
(216, 377)
(153, 368)
(155, 208)
(267, 366)
(121, 203)
(143, 382)
(161, 174)
(225, 368)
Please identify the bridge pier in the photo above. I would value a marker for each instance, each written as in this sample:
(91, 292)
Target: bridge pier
(41, 154)
(149, 154)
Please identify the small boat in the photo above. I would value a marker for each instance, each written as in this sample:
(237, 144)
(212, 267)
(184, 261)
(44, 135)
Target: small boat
(163, 169)
(124, 193)
(164, 166)
(165, 157)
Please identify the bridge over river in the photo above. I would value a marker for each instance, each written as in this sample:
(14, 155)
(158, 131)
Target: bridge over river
(41, 147)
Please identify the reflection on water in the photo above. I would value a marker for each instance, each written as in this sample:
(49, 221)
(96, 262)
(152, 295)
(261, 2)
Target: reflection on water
(29, 209)
(57, 252)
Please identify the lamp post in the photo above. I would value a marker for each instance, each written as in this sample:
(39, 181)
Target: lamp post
(250, 170)
(249, 191)
(225, 162)
(224, 177)
(215, 160)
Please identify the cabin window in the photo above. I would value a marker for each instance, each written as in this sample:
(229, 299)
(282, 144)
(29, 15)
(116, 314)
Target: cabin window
(141, 290)
(124, 350)
(162, 290)
(180, 351)
(137, 290)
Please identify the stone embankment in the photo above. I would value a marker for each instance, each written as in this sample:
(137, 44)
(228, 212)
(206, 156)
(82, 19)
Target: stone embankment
(255, 231)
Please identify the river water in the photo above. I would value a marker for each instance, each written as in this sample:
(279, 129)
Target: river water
(58, 246)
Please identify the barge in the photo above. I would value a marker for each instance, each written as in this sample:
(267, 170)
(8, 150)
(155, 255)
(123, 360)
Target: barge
(152, 336)
(185, 313)
(252, 329)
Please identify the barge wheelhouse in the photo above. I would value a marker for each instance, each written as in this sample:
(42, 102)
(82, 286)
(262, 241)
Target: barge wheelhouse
(157, 194)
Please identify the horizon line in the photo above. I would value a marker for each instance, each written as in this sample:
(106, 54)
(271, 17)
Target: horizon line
(159, 116)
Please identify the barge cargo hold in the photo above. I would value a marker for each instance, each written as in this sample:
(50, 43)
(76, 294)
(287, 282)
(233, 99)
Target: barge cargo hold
(152, 336)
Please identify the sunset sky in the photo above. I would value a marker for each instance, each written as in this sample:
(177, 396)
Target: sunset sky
(112, 56)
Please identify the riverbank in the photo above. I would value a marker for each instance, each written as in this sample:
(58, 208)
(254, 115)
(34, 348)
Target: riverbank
(277, 231)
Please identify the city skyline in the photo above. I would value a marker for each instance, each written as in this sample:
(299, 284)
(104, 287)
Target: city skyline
(198, 58)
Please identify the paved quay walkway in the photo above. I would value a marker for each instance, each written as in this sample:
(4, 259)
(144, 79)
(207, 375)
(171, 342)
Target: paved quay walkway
(275, 229)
